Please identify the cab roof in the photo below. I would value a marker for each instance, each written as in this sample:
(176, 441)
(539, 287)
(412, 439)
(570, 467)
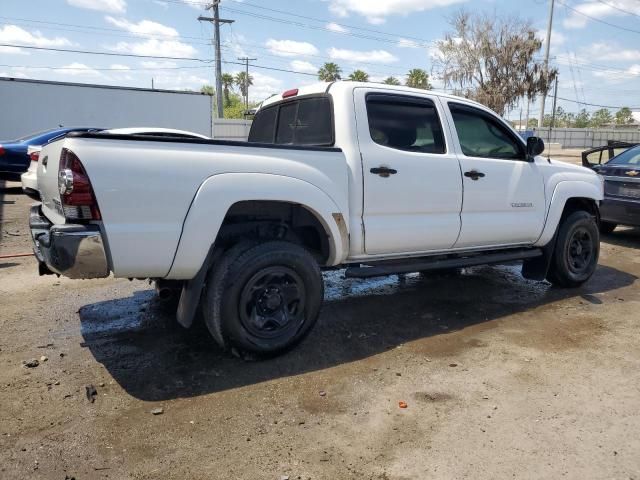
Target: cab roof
(342, 85)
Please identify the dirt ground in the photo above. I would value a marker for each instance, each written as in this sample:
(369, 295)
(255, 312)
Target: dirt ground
(502, 377)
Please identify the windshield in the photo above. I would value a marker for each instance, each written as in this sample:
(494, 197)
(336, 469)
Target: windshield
(629, 158)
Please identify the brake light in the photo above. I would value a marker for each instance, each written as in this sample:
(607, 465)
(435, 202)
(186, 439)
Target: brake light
(290, 93)
(76, 192)
(34, 156)
(1, 150)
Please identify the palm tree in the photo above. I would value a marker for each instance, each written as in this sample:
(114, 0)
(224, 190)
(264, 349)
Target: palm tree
(243, 82)
(418, 78)
(227, 84)
(359, 76)
(329, 72)
(391, 81)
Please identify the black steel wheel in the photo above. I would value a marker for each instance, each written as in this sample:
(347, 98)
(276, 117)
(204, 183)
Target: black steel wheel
(577, 248)
(263, 299)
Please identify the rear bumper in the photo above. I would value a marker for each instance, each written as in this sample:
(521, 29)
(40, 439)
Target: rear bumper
(75, 251)
(624, 212)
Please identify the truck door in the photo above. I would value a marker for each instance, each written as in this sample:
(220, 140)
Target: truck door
(504, 201)
(412, 179)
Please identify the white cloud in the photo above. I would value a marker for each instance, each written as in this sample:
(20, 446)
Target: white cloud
(16, 35)
(406, 43)
(108, 6)
(334, 27)
(372, 56)
(169, 48)
(180, 81)
(76, 69)
(557, 38)
(376, 11)
(143, 28)
(617, 76)
(263, 86)
(611, 52)
(302, 66)
(596, 9)
(290, 48)
(155, 64)
(119, 66)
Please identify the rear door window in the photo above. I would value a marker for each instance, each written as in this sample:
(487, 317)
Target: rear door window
(304, 122)
(405, 123)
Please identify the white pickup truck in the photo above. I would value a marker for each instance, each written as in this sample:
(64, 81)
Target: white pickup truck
(375, 178)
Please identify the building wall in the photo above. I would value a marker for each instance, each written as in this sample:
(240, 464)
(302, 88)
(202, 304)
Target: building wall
(30, 106)
(586, 137)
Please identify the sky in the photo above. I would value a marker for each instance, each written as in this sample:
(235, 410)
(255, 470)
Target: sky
(595, 44)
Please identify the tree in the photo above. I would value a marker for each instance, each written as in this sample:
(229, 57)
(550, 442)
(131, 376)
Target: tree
(329, 72)
(601, 117)
(391, 81)
(207, 90)
(359, 76)
(624, 116)
(418, 78)
(227, 84)
(492, 60)
(236, 108)
(242, 85)
(583, 119)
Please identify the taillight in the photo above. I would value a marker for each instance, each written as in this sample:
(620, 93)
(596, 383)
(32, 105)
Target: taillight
(34, 156)
(1, 150)
(76, 192)
(290, 93)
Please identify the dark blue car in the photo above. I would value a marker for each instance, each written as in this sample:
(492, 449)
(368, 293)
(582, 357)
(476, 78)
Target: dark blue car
(14, 160)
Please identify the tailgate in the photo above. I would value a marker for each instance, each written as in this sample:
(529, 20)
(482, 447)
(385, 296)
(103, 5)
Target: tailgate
(48, 167)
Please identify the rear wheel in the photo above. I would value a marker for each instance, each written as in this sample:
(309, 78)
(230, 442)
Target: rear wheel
(576, 252)
(607, 227)
(263, 299)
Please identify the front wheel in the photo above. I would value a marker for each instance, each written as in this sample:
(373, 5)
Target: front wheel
(576, 252)
(263, 299)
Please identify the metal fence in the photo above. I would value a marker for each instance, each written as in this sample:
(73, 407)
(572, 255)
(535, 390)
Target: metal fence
(231, 129)
(586, 137)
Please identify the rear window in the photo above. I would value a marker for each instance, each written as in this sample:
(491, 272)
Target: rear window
(304, 122)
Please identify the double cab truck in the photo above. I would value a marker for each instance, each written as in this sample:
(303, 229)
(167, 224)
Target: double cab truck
(376, 179)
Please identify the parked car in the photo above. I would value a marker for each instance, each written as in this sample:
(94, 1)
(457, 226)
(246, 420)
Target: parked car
(30, 177)
(14, 159)
(377, 179)
(621, 173)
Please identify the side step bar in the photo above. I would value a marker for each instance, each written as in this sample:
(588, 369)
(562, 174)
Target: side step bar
(437, 263)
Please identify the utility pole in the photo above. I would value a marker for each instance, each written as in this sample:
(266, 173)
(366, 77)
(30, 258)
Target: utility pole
(555, 99)
(546, 61)
(216, 20)
(246, 80)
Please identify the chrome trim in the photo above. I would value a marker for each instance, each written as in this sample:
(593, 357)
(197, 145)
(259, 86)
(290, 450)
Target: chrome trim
(622, 179)
(75, 251)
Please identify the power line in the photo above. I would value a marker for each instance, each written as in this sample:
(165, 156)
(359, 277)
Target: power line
(618, 8)
(157, 57)
(599, 20)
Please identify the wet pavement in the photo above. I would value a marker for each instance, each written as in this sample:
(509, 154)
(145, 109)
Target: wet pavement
(501, 377)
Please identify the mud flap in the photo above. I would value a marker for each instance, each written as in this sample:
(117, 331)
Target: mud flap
(537, 268)
(192, 291)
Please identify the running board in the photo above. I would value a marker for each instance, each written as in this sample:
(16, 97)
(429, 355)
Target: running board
(437, 263)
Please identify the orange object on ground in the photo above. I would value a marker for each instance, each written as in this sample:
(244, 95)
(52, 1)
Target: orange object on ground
(402, 404)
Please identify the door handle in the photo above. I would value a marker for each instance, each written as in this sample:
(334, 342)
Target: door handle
(383, 171)
(474, 174)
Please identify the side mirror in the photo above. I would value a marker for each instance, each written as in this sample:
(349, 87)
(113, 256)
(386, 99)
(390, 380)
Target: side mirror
(535, 146)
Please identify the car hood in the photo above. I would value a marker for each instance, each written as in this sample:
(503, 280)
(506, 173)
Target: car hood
(618, 171)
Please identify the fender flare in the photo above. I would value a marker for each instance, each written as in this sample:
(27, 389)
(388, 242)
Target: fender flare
(218, 193)
(562, 192)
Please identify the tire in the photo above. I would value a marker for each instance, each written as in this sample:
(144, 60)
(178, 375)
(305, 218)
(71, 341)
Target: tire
(576, 252)
(607, 227)
(263, 299)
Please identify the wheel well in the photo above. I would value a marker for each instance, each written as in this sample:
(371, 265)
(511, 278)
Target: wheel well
(581, 203)
(261, 219)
